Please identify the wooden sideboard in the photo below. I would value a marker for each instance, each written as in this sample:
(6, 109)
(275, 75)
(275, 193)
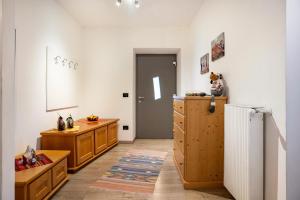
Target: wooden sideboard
(42, 182)
(90, 141)
(199, 141)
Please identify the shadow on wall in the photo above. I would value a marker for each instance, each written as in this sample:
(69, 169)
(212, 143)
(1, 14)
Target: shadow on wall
(38, 143)
(272, 140)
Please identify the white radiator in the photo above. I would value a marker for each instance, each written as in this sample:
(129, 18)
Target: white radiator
(243, 167)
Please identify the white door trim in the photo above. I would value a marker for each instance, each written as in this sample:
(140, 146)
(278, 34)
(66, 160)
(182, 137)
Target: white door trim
(7, 124)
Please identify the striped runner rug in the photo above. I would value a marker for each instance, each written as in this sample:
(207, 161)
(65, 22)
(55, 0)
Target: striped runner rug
(136, 172)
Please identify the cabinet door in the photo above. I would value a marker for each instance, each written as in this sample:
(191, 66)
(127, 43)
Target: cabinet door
(112, 134)
(59, 172)
(100, 139)
(40, 187)
(179, 158)
(85, 147)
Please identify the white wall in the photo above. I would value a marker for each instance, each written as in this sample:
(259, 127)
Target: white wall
(293, 96)
(253, 68)
(1, 48)
(254, 51)
(39, 24)
(7, 101)
(109, 57)
(109, 60)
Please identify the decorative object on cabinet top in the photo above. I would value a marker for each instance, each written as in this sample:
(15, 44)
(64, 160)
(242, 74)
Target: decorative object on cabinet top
(217, 87)
(30, 159)
(81, 126)
(61, 124)
(68, 130)
(25, 176)
(70, 122)
(92, 118)
(21, 165)
(198, 97)
(199, 94)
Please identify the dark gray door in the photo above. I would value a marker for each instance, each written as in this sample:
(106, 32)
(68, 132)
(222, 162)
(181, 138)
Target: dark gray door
(155, 86)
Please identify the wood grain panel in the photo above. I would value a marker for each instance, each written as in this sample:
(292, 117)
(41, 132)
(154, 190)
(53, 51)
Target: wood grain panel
(178, 106)
(179, 120)
(56, 142)
(179, 158)
(39, 188)
(59, 172)
(100, 139)
(85, 147)
(21, 192)
(179, 137)
(112, 134)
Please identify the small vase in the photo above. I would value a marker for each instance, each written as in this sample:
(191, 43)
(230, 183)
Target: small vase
(61, 124)
(70, 122)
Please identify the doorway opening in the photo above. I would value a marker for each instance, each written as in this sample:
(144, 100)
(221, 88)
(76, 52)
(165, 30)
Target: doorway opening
(156, 78)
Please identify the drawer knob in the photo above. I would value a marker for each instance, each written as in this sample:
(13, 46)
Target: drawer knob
(180, 141)
(181, 163)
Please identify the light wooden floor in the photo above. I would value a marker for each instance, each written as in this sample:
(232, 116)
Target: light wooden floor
(168, 186)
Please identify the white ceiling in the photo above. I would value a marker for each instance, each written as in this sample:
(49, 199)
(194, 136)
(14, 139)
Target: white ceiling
(154, 13)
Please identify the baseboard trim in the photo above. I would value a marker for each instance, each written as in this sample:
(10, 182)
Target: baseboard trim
(127, 141)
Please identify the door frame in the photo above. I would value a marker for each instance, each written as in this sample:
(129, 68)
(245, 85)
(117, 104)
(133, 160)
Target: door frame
(7, 100)
(292, 98)
(153, 51)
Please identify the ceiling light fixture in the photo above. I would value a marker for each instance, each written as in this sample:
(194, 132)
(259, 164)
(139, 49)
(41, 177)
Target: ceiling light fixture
(118, 3)
(136, 3)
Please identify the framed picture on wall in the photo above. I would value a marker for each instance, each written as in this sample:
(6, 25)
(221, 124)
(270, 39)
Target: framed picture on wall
(218, 47)
(204, 63)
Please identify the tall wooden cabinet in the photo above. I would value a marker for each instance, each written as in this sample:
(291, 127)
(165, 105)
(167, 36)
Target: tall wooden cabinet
(90, 141)
(199, 141)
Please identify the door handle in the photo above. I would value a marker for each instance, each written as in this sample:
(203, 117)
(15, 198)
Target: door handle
(140, 99)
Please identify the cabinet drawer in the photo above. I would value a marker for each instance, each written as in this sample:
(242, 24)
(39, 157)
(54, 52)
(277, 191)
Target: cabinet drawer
(179, 159)
(39, 188)
(179, 120)
(112, 135)
(85, 147)
(100, 139)
(178, 105)
(179, 137)
(59, 172)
